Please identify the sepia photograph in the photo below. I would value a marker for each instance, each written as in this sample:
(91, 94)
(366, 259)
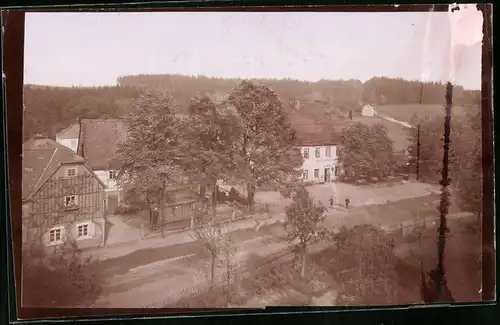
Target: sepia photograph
(250, 159)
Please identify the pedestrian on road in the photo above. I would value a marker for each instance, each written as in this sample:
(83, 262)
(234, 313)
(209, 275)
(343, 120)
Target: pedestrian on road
(331, 202)
(347, 201)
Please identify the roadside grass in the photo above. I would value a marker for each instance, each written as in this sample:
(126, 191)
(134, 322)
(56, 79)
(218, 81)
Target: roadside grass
(463, 252)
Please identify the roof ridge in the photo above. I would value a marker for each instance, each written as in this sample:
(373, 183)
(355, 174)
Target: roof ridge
(45, 169)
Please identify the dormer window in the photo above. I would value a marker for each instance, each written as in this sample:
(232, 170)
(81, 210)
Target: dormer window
(71, 172)
(112, 174)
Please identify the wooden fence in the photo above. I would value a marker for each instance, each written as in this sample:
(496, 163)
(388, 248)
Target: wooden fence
(188, 215)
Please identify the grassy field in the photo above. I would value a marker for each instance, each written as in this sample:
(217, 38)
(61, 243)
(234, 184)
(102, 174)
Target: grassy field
(405, 112)
(398, 133)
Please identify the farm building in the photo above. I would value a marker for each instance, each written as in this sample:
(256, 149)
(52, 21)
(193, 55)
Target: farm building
(63, 200)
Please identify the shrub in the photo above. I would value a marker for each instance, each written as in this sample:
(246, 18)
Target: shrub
(59, 279)
(272, 277)
(369, 278)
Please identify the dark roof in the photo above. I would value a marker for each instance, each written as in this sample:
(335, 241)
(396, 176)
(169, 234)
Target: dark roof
(314, 131)
(99, 140)
(41, 158)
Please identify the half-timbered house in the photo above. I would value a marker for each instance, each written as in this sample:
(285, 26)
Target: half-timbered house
(63, 200)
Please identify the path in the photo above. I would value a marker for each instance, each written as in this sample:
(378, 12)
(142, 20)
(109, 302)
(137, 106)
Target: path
(117, 231)
(130, 241)
(358, 195)
(156, 281)
(390, 119)
(124, 239)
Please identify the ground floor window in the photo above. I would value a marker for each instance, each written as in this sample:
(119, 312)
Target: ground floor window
(56, 235)
(316, 173)
(305, 174)
(83, 230)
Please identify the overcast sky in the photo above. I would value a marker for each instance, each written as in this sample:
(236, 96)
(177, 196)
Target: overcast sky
(95, 48)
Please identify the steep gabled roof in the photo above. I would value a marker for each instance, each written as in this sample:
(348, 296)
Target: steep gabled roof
(41, 158)
(99, 140)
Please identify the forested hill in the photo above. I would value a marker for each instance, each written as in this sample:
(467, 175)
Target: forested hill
(375, 91)
(50, 109)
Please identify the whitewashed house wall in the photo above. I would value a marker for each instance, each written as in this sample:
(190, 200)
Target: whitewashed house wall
(319, 164)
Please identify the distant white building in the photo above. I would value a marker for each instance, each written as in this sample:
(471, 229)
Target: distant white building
(368, 110)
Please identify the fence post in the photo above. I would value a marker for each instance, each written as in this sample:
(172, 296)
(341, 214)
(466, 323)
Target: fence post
(192, 222)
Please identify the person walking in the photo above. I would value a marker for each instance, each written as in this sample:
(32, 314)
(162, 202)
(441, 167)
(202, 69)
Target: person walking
(331, 202)
(347, 201)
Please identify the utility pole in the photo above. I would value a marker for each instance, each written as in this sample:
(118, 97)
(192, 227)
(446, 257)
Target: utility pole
(418, 151)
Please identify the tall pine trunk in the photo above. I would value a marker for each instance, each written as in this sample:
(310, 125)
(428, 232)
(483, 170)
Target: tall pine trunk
(444, 203)
(437, 289)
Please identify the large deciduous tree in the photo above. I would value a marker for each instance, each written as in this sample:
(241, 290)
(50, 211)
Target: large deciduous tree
(367, 151)
(464, 157)
(303, 221)
(467, 168)
(264, 152)
(148, 159)
(206, 145)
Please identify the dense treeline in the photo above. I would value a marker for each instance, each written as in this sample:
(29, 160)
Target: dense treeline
(50, 109)
(47, 110)
(378, 90)
(384, 91)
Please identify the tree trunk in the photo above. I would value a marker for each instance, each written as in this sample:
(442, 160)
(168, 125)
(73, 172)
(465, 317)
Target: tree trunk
(162, 212)
(203, 190)
(303, 267)
(214, 201)
(212, 270)
(228, 297)
(250, 197)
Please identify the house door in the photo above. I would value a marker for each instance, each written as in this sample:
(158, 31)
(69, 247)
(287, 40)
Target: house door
(112, 204)
(327, 175)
